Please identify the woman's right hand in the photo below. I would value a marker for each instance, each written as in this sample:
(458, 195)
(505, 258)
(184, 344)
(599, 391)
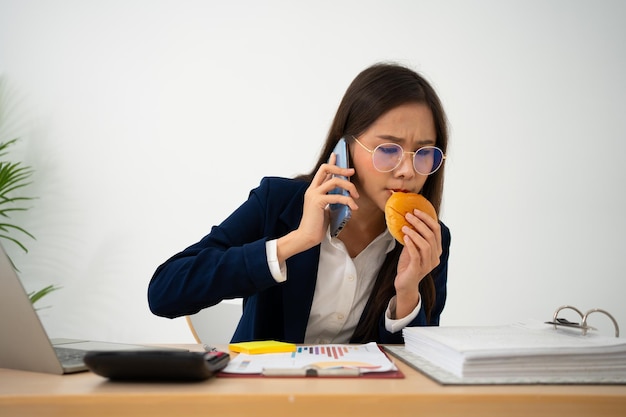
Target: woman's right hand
(315, 216)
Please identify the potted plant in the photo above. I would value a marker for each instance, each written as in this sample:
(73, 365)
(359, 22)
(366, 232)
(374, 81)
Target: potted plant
(14, 176)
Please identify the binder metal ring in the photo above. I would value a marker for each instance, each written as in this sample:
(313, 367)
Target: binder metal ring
(556, 321)
(599, 310)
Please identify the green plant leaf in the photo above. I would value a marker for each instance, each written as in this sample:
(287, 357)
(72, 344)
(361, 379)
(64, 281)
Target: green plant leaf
(13, 177)
(38, 295)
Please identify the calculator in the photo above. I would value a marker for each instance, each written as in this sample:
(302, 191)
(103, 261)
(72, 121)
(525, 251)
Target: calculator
(156, 365)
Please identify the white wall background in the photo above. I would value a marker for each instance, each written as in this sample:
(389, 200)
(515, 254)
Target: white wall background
(149, 121)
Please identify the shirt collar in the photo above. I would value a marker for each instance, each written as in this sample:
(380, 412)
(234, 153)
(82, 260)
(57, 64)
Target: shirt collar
(385, 238)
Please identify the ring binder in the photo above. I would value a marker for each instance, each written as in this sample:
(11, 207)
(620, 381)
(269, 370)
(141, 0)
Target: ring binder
(556, 321)
(530, 352)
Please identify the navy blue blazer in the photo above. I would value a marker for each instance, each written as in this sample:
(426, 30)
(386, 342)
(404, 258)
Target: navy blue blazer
(231, 262)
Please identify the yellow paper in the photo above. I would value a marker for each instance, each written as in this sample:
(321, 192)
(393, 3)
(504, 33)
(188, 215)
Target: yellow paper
(262, 346)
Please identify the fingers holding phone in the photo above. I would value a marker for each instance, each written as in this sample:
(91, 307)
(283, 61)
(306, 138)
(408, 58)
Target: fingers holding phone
(328, 201)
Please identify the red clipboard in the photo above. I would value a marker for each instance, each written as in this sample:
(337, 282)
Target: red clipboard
(309, 372)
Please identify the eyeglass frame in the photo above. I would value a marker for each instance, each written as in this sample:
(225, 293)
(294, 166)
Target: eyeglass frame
(371, 151)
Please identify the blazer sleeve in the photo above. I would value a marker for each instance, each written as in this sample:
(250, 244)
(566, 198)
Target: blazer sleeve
(230, 262)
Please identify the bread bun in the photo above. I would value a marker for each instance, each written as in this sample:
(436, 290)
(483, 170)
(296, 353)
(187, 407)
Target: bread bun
(398, 205)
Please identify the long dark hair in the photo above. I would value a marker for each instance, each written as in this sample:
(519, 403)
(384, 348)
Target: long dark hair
(375, 91)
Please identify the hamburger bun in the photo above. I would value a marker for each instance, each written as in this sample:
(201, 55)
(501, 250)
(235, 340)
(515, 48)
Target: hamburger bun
(398, 205)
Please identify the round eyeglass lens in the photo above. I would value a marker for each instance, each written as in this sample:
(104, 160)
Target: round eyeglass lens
(387, 157)
(427, 160)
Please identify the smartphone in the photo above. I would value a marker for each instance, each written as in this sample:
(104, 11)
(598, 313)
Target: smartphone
(340, 213)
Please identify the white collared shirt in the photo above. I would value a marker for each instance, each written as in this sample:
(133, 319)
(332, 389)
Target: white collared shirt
(343, 288)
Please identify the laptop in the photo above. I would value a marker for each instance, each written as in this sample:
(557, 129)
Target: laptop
(24, 343)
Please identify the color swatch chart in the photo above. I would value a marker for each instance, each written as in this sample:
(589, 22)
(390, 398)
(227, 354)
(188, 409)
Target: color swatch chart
(324, 351)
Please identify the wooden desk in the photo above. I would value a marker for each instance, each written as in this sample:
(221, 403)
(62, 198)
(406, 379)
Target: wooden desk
(86, 394)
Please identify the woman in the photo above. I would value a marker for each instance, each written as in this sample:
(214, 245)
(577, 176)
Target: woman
(275, 251)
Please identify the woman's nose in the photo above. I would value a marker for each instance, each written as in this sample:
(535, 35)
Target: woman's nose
(405, 169)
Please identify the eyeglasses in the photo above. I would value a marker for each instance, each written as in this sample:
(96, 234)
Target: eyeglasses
(387, 156)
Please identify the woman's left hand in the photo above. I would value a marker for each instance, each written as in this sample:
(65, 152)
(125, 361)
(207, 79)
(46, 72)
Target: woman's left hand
(420, 255)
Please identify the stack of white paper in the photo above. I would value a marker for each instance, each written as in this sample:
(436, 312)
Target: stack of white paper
(518, 350)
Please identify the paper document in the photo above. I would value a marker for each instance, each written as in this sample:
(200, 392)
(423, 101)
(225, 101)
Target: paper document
(521, 350)
(366, 358)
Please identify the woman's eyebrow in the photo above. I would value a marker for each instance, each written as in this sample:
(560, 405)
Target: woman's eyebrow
(396, 139)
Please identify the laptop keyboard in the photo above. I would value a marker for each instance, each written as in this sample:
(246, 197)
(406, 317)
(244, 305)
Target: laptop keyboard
(69, 356)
